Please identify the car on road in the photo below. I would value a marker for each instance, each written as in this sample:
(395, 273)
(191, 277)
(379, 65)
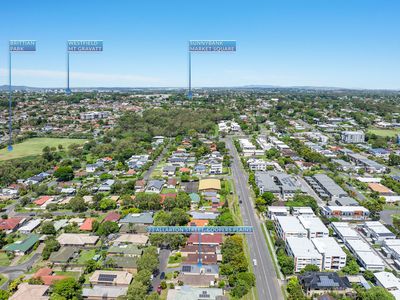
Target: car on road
(254, 262)
(159, 289)
(162, 276)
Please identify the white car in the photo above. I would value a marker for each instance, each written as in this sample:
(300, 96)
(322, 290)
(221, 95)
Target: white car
(255, 262)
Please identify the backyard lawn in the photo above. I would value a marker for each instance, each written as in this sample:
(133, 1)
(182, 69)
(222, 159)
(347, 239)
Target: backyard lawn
(384, 132)
(34, 146)
(86, 255)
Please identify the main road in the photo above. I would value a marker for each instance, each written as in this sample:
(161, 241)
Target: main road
(268, 287)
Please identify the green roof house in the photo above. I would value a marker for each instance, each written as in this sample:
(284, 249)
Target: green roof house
(24, 246)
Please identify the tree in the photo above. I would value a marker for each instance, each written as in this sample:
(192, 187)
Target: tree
(144, 277)
(294, 289)
(48, 228)
(91, 266)
(225, 218)
(107, 204)
(4, 295)
(179, 217)
(153, 296)
(64, 173)
(351, 268)
(310, 268)
(241, 288)
(68, 288)
(369, 275)
(376, 293)
(107, 228)
(50, 245)
(77, 204)
(149, 260)
(136, 291)
(268, 197)
(35, 280)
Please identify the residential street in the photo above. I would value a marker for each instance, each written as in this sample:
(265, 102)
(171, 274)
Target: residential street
(164, 254)
(266, 278)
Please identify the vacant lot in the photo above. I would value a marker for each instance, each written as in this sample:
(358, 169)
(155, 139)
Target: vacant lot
(384, 132)
(32, 147)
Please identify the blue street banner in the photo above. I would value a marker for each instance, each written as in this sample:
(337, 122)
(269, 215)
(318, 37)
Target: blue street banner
(212, 46)
(205, 229)
(22, 46)
(85, 46)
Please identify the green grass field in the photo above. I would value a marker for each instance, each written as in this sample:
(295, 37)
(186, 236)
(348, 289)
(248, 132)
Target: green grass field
(384, 132)
(4, 261)
(34, 146)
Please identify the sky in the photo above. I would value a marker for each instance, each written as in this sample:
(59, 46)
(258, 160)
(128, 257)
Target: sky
(331, 43)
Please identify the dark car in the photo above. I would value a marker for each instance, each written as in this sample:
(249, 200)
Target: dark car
(162, 276)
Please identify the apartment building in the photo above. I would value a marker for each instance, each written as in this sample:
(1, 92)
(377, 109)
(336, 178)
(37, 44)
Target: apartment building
(289, 226)
(333, 256)
(303, 252)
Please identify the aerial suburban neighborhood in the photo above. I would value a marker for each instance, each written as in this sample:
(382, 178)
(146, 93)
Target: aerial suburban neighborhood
(320, 189)
(140, 162)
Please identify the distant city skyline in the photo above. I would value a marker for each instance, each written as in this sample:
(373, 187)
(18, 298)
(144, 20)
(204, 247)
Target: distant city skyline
(349, 44)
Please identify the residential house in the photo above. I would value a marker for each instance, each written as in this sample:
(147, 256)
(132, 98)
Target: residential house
(77, 239)
(23, 247)
(111, 278)
(320, 283)
(195, 293)
(100, 292)
(30, 226)
(31, 291)
(63, 256)
(155, 186)
(138, 219)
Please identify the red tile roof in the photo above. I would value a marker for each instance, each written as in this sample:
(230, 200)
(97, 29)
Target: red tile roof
(9, 224)
(207, 259)
(42, 200)
(87, 224)
(112, 216)
(43, 272)
(46, 275)
(205, 239)
(198, 223)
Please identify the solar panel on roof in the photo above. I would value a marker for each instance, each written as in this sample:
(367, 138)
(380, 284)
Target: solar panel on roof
(186, 268)
(326, 281)
(204, 295)
(107, 277)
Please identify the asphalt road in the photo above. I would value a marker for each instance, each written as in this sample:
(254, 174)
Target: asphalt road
(268, 287)
(147, 174)
(163, 257)
(12, 272)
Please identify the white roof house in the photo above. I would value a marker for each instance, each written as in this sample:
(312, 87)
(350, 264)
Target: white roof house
(30, 226)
